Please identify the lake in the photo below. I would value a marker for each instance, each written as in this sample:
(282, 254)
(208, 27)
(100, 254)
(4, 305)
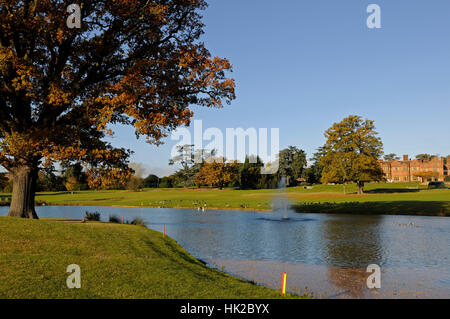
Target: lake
(327, 254)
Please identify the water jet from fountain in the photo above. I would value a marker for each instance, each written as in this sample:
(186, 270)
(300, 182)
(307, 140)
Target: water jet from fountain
(280, 203)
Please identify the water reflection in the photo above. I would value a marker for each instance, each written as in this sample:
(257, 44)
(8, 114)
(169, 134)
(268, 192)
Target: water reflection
(353, 241)
(335, 248)
(318, 239)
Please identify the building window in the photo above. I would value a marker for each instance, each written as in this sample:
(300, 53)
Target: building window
(405, 168)
(395, 169)
(396, 179)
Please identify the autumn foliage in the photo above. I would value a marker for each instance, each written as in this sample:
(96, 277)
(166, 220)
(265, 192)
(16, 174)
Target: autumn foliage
(217, 173)
(132, 62)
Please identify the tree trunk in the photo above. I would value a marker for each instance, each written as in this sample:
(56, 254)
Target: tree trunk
(360, 188)
(24, 185)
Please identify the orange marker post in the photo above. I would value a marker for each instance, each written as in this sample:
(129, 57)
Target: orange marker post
(283, 284)
(164, 230)
(122, 220)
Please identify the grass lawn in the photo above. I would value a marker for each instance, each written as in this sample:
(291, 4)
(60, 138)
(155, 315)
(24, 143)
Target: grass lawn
(379, 198)
(117, 261)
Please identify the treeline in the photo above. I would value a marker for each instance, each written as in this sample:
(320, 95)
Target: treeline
(351, 154)
(70, 178)
(202, 168)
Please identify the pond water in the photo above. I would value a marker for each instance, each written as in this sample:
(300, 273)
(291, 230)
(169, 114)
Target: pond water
(326, 253)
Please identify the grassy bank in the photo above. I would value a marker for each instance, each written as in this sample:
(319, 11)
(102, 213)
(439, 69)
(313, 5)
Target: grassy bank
(379, 198)
(117, 261)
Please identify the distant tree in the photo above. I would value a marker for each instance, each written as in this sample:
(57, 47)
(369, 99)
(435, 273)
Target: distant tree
(151, 181)
(218, 173)
(166, 182)
(391, 157)
(250, 173)
(72, 184)
(423, 157)
(269, 181)
(48, 181)
(138, 169)
(292, 161)
(184, 177)
(4, 180)
(74, 170)
(134, 183)
(351, 153)
(313, 174)
(191, 161)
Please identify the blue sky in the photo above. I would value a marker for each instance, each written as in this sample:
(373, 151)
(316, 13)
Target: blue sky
(302, 65)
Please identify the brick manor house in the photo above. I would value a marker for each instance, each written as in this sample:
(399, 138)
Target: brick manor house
(408, 170)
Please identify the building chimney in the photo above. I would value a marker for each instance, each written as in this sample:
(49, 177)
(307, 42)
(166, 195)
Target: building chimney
(405, 157)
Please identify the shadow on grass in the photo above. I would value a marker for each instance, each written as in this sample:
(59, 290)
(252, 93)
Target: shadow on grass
(391, 190)
(56, 193)
(418, 208)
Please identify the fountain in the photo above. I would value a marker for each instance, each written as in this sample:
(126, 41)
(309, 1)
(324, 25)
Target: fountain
(280, 203)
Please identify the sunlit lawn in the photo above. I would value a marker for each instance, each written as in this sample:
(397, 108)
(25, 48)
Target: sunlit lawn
(116, 261)
(403, 198)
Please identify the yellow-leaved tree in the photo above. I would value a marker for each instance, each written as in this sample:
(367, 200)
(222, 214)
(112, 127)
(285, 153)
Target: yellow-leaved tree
(218, 173)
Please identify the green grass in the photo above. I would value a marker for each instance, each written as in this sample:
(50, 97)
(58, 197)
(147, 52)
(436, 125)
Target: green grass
(380, 198)
(117, 261)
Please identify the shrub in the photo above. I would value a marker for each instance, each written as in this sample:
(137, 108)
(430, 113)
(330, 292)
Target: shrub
(114, 219)
(139, 222)
(95, 216)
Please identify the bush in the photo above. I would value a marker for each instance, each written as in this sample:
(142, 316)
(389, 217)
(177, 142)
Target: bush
(95, 216)
(114, 219)
(139, 222)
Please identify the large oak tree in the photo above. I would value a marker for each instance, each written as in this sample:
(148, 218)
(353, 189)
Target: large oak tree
(351, 153)
(132, 62)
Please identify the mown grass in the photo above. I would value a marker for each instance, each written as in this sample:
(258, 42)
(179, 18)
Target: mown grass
(380, 198)
(117, 261)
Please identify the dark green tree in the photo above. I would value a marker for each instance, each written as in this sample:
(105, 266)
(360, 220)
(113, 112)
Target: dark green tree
(166, 182)
(49, 181)
(75, 171)
(250, 173)
(292, 161)
(151, 181)
(313, 174)
(391, 157)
